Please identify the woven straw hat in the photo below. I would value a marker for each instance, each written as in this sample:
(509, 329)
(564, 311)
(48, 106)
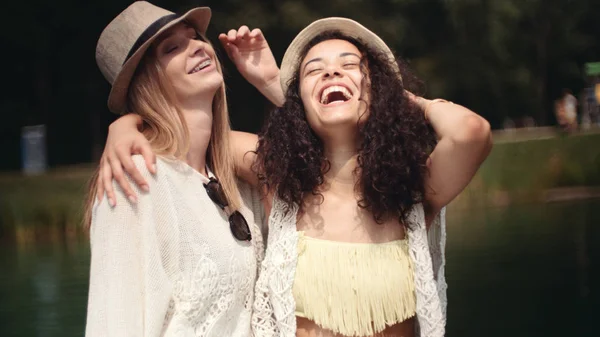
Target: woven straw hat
(125, 40)
(291, 58)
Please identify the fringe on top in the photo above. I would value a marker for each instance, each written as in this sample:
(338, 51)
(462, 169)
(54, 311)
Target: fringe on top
(354, 289)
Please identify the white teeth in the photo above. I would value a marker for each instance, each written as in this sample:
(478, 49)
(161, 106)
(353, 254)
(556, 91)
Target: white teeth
(334, 88)
(201, 66)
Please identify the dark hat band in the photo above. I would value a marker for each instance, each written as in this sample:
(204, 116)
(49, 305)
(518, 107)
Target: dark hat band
(149, 32)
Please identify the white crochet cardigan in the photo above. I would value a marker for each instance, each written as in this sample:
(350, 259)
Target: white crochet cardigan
(169, 265)
(274, 305)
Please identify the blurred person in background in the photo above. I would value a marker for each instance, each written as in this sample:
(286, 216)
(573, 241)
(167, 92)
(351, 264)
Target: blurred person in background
(590, 102)
(181, 258)
(357, 172)
(566, 111)
(595, 101)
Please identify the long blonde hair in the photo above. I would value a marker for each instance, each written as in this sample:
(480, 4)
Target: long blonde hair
(152, 97)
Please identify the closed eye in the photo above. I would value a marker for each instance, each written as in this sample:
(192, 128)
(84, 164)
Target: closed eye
(171, 49)
(312, 71)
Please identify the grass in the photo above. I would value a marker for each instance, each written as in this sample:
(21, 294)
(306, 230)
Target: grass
(522, 170)
(50, 206)
(43, 207)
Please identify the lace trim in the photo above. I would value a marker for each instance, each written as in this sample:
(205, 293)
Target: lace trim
(274, 303)
(274, 306)
(431, 318)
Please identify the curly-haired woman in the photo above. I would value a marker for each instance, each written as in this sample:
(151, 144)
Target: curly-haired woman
(357, 172)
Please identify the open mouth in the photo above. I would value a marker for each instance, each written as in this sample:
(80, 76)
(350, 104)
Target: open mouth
(202, 65)
(334, 94)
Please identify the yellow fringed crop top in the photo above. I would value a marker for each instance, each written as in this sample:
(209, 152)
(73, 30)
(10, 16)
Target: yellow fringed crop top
(354, 289)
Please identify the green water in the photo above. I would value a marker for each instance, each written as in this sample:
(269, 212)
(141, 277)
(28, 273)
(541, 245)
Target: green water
(43, 290)
(527, 270)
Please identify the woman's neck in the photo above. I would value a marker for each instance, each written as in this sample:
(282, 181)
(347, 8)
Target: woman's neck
(341, 177)
(199, 122)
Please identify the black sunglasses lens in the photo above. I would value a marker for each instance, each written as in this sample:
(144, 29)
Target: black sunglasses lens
(239, 227)
(237, 222)
(215, 193)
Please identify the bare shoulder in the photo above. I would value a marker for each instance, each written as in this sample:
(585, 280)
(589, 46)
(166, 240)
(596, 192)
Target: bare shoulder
(243, 140)
(243, 146)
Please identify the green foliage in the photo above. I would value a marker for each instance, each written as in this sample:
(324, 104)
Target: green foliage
(50, 206)
(500, 58)
(523, 170)
(503, 59)
(53, 202)
(543, 163)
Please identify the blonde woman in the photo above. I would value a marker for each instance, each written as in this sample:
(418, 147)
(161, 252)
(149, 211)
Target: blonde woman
(180, 259)
(358, 173)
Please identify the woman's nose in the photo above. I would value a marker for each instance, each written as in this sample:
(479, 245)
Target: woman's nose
(331, 71)
(196, 47)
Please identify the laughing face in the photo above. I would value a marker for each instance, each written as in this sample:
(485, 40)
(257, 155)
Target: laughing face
(189, 62)
(333, 86)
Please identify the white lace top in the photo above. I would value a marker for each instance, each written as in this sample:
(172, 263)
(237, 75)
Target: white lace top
(169, 265)
(274, 307)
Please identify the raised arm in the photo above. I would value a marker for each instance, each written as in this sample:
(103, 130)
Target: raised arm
(253, 58)
(464, 143)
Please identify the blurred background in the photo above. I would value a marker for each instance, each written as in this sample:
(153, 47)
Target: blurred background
(523, 239)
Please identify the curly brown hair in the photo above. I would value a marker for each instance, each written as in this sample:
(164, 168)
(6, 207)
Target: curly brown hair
(396, 141)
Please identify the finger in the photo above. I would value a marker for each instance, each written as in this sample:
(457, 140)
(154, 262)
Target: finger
(257, 34)
(231, 35)
(149, 157)
(107, 182)
(225, 43)
(132, 170)
(411, 96)
(243, 33)
(224, 39)
(99, 185)
(232, 51)
(119, 176)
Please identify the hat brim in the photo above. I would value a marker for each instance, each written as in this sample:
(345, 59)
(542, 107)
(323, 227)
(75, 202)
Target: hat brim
(117, 99)
(291, 59)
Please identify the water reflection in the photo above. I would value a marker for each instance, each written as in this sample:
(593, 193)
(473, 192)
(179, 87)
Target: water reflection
(43, 289)
(527, 270)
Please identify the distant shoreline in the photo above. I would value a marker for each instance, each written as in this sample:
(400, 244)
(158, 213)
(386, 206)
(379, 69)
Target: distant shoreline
(571, 193)
(535, 165)
(538, 133)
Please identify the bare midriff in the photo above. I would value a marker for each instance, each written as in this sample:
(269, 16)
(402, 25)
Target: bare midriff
(308, 328)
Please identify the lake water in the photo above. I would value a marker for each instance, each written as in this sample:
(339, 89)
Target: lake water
(527, 270)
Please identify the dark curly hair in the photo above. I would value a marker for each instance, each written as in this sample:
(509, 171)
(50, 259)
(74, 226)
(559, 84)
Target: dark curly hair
(396, 141)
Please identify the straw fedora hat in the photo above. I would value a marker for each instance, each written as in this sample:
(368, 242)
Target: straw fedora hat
(125, 40)
(291, 58)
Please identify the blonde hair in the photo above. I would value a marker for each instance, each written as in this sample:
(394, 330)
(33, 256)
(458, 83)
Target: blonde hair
(152, 97)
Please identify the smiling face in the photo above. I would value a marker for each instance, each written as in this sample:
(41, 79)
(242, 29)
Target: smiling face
(333, 87)
(189, 62)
